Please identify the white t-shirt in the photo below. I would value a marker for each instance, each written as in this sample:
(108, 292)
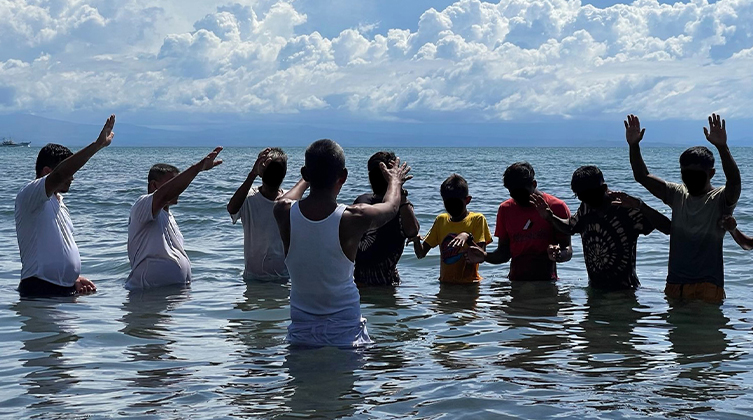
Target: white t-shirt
(263, 251)
(45, 236)
(155, 248)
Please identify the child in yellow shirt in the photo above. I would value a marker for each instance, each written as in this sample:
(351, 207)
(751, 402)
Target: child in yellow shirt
(454, 232)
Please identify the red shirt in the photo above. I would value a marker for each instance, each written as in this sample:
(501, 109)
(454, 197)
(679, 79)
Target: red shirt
(529, 236)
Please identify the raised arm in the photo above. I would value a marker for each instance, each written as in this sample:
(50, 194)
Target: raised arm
(379, 214)
(634, 135)
(408, 220)
(67, 168)
(716, 134)
(236, 202)
(174, 187)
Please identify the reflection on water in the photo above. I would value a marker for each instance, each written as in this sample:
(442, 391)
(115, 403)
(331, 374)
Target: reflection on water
(147, 317)
(51, 331)
(700, 347)
(534, 312)
(321, 382)
(494, 350)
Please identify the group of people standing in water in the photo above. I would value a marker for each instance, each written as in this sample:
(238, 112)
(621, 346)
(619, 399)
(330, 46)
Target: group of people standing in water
(328, 250)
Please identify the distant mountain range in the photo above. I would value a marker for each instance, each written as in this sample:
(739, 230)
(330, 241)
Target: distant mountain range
(40, 130)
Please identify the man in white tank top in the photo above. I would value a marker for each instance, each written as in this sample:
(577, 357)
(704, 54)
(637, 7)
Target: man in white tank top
(321, 240)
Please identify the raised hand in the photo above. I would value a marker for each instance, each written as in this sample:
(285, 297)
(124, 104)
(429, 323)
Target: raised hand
(106, 135)
(728, 223)
(554, 253)
(622, 199)
(633, 131)
(716, 134)
(262, 162)
(475, 255)
(538, 202)
(209, 162)
(397, 172)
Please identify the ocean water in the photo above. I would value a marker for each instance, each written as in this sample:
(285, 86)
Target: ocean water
(498, 350)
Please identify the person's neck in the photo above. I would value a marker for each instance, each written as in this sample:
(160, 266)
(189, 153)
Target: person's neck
(269, 192)
(461, 218)
(322, 195)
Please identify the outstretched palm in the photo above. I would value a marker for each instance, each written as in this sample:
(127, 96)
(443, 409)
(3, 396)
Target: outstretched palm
(633, 132)
(209, 162)
(262, 162)
(106, 135)
(541, 205)
(396, 171)
(716, 134)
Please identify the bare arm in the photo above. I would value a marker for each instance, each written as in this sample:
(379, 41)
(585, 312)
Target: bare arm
(377, 215)
(559, 224)
(173, 188)
(420, 247)
(477, 254)
(408, 220)
(297, 191)
(657, 220)
(67, 168)
(236, 202)
(716, 134)
(729, 224)
(634, 135)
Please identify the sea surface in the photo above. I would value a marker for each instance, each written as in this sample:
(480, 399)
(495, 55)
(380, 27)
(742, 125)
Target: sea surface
(497, 350)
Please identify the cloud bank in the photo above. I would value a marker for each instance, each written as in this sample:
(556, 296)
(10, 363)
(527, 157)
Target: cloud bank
(472, 61)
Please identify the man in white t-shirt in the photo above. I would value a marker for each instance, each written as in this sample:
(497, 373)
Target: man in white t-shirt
(50, 261)
(155, 244)
(263, 252)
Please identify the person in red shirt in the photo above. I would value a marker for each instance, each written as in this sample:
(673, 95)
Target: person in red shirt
(529, 242)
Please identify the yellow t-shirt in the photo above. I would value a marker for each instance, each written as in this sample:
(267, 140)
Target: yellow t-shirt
(453, 267)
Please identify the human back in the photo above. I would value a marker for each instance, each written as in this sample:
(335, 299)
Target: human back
(321, 240)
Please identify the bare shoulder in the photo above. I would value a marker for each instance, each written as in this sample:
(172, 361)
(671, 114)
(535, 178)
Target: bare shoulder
(282, 206)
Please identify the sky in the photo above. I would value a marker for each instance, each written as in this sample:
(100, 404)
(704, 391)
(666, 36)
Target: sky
(350, 62)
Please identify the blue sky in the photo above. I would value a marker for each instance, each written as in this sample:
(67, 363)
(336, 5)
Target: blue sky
(346, 62)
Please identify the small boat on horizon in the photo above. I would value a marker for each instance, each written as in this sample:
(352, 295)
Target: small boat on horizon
(8, 142)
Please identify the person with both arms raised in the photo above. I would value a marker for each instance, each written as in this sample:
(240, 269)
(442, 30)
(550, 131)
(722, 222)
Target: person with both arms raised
(696, 262)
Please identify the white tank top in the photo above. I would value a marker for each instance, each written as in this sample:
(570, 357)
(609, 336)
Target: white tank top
(321, 276)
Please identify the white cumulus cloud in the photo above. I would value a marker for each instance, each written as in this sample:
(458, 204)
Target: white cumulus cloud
(473, 60)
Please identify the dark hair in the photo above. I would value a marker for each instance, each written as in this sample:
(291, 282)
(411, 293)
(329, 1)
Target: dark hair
(277, 154)
(325, 161)
(376, 178)
(158, 171)
(519, 175)
(454, 186)
(698, 155)
(586, 178)
(50, 156)
(277, 168)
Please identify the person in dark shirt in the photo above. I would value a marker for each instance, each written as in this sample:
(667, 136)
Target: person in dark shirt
(380, 249)
(609, 224)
